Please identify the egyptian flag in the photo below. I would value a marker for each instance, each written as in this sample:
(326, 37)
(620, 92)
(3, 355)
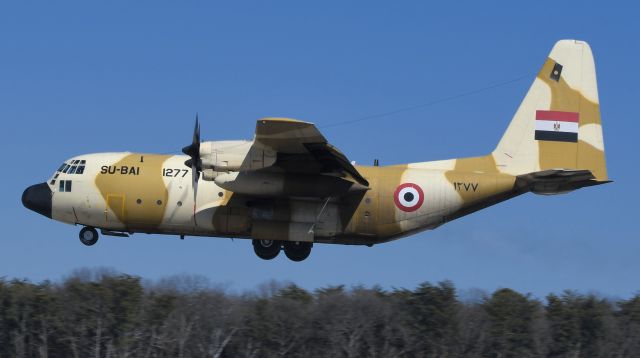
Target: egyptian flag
(557, 126)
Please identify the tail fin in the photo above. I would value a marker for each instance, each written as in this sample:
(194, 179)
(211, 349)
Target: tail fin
(558, 124)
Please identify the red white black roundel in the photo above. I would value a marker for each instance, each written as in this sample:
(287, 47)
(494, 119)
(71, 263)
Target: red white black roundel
(408, 197)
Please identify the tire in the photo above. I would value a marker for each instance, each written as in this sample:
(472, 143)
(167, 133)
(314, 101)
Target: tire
(88, 236)
(266, 249)
(297, 250)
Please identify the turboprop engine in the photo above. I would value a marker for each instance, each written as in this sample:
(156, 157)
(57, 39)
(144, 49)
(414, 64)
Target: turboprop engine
(234, 155)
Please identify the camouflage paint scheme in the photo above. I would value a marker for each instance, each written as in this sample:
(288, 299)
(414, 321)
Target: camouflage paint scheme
(369, 206)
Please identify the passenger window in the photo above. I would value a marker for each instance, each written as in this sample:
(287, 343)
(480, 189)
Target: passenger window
(80, 169)
(67, 185)
(61, 189)
(72, 170)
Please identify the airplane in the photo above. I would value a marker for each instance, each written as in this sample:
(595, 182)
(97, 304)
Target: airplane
(288, 188)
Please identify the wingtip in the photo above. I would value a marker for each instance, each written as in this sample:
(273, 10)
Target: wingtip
(280, 119)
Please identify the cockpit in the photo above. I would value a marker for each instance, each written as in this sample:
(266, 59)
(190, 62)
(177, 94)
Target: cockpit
(72, 167)
(39, 197)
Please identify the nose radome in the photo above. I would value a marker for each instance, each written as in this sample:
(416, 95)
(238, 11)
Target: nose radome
(38, 198)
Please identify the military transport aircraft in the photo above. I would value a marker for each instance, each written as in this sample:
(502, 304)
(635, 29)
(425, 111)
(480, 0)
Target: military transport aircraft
(289, 188)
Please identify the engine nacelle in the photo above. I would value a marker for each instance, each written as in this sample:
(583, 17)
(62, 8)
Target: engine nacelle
(234, 155)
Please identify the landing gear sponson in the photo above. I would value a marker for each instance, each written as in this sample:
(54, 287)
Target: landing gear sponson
(294, 250)
(264, 249)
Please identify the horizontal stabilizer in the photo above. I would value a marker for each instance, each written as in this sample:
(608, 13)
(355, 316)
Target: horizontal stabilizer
(557, 181)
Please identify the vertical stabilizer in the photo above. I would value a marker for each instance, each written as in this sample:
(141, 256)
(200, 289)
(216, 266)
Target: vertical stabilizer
(557, 125)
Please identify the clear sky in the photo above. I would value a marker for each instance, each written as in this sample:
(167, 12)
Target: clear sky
(89, 77)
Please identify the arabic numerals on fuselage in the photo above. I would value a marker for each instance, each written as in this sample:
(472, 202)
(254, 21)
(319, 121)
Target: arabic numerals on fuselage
(174, 172)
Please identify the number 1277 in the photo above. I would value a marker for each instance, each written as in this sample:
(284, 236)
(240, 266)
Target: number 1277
(168, 172)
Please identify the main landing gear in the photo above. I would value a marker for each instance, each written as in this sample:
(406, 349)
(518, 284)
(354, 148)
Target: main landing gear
(266, 249)
(269, 249)
(88, 236)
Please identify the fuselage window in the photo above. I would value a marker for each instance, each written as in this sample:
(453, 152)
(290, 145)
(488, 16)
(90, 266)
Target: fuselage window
(72, 170)
(61, 188)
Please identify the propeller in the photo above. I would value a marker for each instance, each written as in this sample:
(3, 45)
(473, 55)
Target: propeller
(194, 162)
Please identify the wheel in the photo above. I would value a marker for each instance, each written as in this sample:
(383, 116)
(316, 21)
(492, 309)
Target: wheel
(266, 249)
(88, 236)
(297, 250)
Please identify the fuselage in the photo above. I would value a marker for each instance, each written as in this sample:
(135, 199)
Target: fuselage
(150, 193)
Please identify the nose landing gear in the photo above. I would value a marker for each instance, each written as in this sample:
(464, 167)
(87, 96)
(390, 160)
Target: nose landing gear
(88, 236)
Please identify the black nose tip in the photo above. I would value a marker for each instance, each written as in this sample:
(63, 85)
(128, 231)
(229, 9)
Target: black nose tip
(38, 198)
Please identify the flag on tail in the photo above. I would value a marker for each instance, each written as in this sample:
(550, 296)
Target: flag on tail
(557, 126)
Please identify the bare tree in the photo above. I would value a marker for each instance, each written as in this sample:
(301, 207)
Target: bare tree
(106, 314)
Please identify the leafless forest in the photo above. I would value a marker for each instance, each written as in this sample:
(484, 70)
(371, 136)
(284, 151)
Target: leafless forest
(106, 314)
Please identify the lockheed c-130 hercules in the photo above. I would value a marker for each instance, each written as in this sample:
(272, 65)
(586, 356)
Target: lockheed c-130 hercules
(289, 188)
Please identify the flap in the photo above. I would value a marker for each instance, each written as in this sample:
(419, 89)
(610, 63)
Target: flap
(302, 149)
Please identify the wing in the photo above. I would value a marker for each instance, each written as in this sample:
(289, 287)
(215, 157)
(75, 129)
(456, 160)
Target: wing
(302, 149)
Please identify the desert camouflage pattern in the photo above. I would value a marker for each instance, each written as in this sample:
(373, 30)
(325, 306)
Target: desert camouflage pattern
(289, 184)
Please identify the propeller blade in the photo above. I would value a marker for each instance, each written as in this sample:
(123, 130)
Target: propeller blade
(193, 151)
(196, 131)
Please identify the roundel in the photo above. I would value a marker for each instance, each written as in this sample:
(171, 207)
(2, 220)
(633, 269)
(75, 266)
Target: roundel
(408, 197)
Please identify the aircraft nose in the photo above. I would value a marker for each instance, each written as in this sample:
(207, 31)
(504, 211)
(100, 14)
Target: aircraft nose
(38, 198)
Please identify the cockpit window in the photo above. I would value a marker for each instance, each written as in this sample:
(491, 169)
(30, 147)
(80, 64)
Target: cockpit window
(76, 166)
(65, 186)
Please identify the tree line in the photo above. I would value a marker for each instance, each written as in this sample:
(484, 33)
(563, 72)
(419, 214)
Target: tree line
(106, 314)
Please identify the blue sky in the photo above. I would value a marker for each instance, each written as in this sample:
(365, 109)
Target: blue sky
(114, 76)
